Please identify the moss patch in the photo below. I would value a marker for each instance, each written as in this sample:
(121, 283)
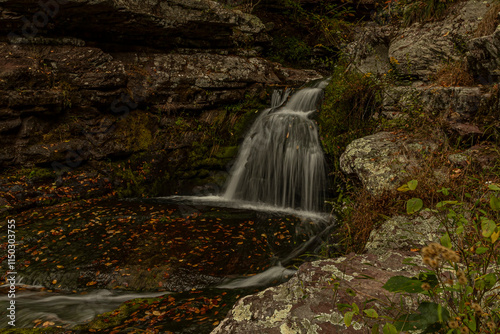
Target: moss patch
(351, 100)
(135, 131)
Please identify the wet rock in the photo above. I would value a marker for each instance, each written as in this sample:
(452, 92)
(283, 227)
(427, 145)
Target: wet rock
(59, 92)
(307, 303)
(196, 81)
(381, 161)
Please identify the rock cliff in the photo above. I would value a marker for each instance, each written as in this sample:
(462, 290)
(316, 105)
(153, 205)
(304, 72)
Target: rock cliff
(97, 81)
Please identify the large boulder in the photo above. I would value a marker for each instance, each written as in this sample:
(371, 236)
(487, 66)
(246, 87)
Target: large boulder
(404, 235)
(307, 303)
(420, 49)
(382, 161)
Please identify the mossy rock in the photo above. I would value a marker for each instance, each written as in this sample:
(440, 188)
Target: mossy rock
(227, 152)
(350, 100)
(134, 132)
(244, 123)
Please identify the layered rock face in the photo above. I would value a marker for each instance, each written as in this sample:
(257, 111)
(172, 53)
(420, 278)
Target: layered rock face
(418, 52)
(71, 71)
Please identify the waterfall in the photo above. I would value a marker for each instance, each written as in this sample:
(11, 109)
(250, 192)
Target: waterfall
(281, 161)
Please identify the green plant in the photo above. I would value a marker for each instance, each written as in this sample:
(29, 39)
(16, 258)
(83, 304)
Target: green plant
(314, 35)
(351, 100)
(458, 293)
(291, 49)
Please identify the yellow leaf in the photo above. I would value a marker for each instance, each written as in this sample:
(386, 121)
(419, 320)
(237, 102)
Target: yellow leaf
(60, 267)
(494, 236)
(54, 281)
(404, 187)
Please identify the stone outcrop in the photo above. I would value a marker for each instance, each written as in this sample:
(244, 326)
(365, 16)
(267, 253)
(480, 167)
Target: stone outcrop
(165, 25)
(381, 161)
(456, 106)
(401, 235)
(418, 52)
(308, 302)
(71, 71)
(484, 57)
(420, 49)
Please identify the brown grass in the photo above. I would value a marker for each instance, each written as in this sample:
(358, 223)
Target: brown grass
(369, 211)
(490, 22)
(454, 74)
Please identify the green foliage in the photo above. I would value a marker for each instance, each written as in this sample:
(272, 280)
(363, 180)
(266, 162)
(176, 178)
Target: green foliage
(134, 133)
(411, 185)
(324, 27)
(351, 99)
(403, 284)
(413, 205)
(329, 21)
(459, 292)
(429, 317)
(290, 49)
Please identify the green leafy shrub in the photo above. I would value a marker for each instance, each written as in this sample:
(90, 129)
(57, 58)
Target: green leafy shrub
(458, 293)
(290, 50)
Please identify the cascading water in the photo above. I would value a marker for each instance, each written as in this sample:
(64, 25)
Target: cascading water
(281, 161)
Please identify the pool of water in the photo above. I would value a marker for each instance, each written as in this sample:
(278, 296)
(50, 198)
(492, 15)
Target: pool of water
(85, 258)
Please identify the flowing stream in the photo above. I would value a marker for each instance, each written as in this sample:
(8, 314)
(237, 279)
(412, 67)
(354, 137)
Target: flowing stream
(268, 215)
(36, 306)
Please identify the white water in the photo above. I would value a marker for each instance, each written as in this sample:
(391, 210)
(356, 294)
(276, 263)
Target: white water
(219, 201)
(275, 273)
(65, 309)
(281, 162)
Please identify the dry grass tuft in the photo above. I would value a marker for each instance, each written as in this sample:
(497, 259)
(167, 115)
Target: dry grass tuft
(490, 22)
(454, 74)
(367, 213)
(435, 172)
